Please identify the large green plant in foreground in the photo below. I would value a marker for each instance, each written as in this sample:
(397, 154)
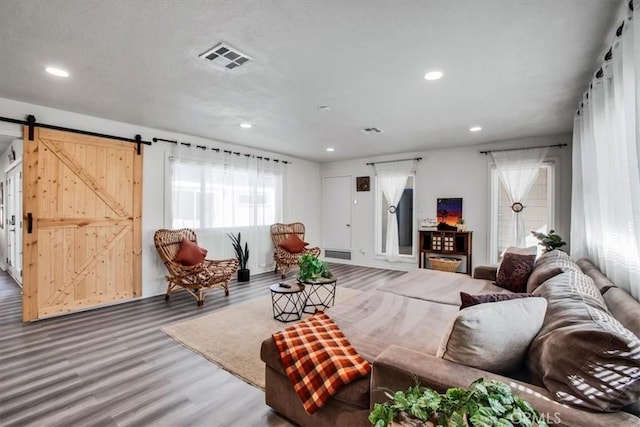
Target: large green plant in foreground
(485, 404)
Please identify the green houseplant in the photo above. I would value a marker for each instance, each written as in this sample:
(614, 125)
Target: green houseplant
(484, 404)
(242, 254)
(311, 268)
(549, 241)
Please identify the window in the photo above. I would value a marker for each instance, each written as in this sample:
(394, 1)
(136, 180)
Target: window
(538, 213)
(405, 216)
(215, 195)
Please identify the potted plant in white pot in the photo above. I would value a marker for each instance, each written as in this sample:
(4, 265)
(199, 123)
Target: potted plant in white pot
(242, 254)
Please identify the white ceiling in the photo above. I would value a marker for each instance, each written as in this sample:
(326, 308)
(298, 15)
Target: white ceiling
(516, 68)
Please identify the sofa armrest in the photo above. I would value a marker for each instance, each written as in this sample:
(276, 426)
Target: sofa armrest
(485, 272)
(396, 367)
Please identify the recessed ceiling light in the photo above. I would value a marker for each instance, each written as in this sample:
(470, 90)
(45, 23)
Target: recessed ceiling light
(433, 75)
(57, 72)
(475, 129)
(330, 149)
(246, 125)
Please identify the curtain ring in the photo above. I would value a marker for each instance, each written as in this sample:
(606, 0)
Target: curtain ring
(392, 209)
(517, 207)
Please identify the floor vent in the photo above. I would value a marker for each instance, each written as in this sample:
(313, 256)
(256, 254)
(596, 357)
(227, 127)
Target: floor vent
(226, 56)
(328, 253)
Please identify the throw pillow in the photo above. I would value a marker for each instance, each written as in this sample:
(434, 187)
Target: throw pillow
(469, 300)
(494, 337)
(190, 253)
(548, 267)
(624, 308)
(582, 354)
(293, 244)
(552, 255)
(514, 271)
(592, 363)
(531, 250)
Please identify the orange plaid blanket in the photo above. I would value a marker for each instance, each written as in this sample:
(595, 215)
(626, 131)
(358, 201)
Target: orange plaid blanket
(318, 359)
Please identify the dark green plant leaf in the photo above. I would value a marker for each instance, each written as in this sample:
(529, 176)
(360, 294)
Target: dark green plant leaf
(242, 255)
(457, 420)
(381, 415)
(496, 406)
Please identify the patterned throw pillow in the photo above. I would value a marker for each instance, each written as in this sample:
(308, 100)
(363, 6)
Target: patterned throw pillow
(514, 271)
(469, 300)
(549, 266)
(190, 253)
(293, 244)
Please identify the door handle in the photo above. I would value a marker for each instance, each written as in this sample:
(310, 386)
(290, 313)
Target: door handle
(29, 223)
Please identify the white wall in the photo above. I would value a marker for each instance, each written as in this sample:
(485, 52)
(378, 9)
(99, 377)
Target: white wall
(301, 192)
(16, 145)
(459, 172)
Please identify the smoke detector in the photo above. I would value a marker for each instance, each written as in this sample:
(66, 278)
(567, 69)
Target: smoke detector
(371, 130)
(226, 56)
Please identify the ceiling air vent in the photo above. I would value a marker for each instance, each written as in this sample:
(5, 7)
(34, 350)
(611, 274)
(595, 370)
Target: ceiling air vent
(369, 131)
(226, 56)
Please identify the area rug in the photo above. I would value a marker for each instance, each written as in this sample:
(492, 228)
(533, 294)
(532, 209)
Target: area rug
(231, 337)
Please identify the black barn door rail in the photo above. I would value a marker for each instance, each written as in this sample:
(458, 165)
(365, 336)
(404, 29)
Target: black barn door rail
(31, 123)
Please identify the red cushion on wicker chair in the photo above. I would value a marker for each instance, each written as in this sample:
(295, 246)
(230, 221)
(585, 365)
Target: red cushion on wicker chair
(293, 244)
(190, 253)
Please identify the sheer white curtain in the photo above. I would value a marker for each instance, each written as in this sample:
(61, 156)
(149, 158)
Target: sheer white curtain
(518, 170)
(219, 193)
(392, 178)
(606, 174)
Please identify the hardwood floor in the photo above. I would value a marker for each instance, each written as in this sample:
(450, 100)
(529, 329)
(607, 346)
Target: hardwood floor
(113, 366)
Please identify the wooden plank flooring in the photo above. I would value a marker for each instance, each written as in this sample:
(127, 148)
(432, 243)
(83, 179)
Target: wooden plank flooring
(114, 366)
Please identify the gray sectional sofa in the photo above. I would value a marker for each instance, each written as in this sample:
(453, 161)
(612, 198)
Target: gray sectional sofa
(398, 328)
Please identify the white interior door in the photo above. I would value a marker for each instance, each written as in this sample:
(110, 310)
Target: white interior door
(336, 212)
(14, 222)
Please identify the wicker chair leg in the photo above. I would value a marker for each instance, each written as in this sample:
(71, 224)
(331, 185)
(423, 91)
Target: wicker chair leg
(226, 289)
(168, 294)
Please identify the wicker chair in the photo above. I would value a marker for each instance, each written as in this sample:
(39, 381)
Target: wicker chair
(283, 258)
(198, 280)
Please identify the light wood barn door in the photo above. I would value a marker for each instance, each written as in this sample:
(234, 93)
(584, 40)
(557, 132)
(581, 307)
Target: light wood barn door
(82, 222)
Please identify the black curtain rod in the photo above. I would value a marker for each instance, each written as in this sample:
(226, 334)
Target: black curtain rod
(31, 122)
(217, 150)
(393, 161)
(525, 148)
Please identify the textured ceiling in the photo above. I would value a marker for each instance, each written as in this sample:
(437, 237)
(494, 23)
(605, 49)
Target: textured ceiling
(516, 68)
